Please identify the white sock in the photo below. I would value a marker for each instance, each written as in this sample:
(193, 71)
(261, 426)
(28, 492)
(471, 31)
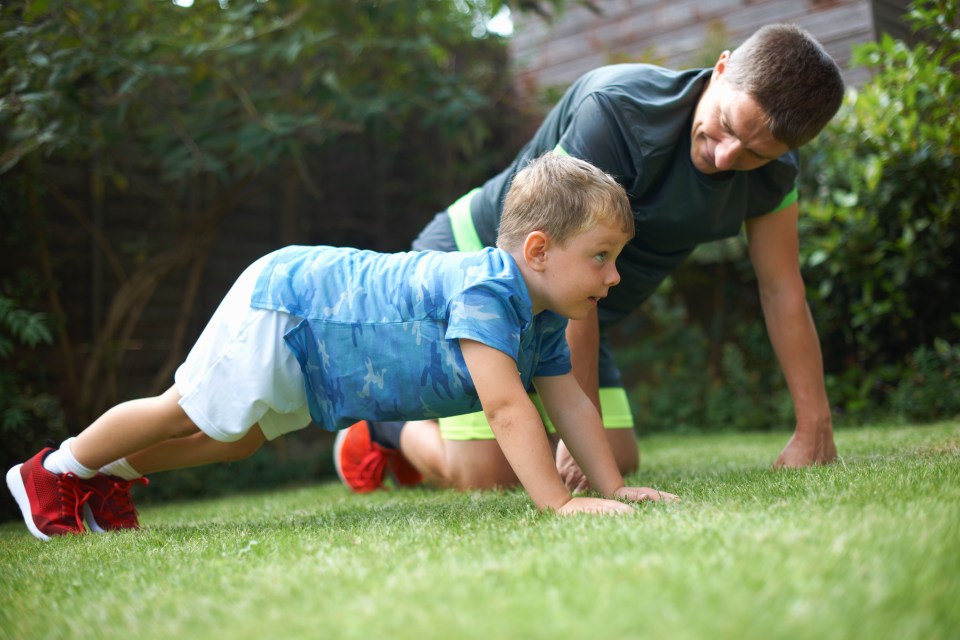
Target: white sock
(62, 461)
(121, 469)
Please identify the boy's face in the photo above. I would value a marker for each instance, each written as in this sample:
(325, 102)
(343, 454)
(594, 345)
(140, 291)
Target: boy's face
(579, 275)
(728, 132)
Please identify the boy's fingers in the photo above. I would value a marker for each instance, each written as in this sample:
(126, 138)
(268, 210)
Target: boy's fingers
(640, 494)
(668, 497)
(594, 506)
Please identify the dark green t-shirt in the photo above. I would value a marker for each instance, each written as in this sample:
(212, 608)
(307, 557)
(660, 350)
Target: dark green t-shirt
(633, 121)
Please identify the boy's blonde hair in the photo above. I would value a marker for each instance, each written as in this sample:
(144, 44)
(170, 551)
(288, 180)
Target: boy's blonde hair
(561, 196)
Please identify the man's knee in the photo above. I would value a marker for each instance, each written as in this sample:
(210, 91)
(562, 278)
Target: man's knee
(623, 442)
(478, 464)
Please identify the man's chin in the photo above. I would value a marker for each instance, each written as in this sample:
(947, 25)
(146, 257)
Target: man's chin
(701, 165)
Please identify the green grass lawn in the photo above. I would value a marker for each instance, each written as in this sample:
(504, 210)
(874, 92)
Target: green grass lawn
(868, 548)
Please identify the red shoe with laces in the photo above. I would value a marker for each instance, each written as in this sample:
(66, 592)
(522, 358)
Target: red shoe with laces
(404, 473)
(51, 504)
(363, 465)
(110, 506)
(360, 462)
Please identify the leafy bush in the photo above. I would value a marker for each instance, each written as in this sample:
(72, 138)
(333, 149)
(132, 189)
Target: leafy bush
(19, 403)
(882, 194)
(675, 385)
(28, 412)
(929, 386)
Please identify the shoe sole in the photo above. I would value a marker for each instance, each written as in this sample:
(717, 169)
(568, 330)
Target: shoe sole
(19, 491)
(337, 448)
(89, 520)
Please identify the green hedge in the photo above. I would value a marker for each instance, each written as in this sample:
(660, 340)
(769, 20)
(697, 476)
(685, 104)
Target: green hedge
(881, 225)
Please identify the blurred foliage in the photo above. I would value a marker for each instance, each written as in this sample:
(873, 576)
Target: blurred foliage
(26, 406)
(228, 88)
(20, 403)
(929, 383)
(881, 223)
(686, 374)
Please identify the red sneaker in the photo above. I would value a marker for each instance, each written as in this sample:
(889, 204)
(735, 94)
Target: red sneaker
(404, 473)
(361, 463)
(50, 503)
(110, 506)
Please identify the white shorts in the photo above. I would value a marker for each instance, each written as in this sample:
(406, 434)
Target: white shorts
(240, 372)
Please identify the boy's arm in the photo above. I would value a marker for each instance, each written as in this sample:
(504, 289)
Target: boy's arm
(578, 423)
(519, 431)
(583, 336)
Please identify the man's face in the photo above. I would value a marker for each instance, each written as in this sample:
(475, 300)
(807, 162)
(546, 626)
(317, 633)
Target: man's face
(728, 131)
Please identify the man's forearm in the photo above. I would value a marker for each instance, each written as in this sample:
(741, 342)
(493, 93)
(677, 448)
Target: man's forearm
(583, 336)
(797, 346)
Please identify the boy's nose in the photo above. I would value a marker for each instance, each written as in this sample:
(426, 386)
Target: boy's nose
(613, 278)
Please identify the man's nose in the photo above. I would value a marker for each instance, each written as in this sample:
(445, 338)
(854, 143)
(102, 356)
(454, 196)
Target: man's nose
(727, 153)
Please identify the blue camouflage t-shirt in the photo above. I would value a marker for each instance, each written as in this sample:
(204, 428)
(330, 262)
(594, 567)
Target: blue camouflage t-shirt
(379, 336)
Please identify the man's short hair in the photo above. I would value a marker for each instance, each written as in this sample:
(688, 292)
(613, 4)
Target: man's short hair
(561, 196)
(793, 79)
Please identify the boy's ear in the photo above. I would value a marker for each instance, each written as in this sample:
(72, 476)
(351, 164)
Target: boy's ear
(535, 250)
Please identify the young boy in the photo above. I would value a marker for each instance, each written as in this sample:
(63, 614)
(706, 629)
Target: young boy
(340, 335)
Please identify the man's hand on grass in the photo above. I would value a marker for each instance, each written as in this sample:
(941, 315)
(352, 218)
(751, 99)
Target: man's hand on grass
(570, 472)
(806, 448)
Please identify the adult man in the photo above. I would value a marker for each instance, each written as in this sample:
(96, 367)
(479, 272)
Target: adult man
(700, 153)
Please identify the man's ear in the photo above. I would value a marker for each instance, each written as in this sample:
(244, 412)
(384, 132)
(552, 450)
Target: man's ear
(721, 65)
(535, 248)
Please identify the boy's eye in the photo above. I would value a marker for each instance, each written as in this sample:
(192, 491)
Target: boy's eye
(601, 257)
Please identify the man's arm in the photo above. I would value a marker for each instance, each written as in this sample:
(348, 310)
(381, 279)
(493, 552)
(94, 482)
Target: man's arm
(583, 336)
(775, 253)
(520, 433)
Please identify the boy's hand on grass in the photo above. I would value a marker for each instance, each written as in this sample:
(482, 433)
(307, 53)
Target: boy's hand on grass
(641, 494)
(594, 506)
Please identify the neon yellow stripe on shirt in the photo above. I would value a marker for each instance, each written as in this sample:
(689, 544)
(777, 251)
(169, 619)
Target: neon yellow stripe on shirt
(787, 201)
(464, 233)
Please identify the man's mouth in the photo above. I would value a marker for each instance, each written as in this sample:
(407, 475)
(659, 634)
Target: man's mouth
(708, 158)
